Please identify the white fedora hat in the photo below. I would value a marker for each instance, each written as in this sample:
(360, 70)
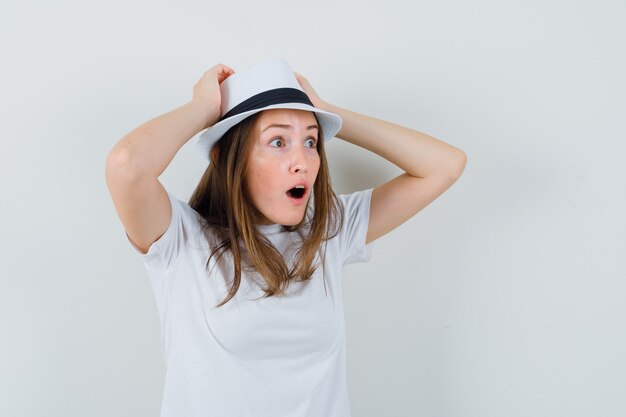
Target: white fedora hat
(269, 85)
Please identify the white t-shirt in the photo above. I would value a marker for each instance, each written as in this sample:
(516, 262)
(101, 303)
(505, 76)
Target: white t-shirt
(269, 357)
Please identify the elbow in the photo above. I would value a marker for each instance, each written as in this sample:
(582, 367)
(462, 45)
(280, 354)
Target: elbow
(454, 169)
(462, 161)
(119, 165)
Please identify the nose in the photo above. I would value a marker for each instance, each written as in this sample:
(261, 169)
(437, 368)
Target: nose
(299, 163)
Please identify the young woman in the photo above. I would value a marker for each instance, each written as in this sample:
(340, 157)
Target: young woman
(247, 275)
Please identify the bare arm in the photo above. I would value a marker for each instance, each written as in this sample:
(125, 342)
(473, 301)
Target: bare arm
(141, 156)
(151, 147)
(431, 166)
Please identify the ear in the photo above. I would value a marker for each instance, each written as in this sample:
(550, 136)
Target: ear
(214, 154)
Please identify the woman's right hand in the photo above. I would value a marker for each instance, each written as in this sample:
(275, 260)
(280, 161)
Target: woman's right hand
(206, 91)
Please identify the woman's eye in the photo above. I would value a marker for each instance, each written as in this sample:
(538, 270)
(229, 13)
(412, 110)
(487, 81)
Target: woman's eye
(277, 142)
(311, 143)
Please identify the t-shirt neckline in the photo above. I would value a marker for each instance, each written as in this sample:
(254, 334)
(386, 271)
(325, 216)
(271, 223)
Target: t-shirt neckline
(270, 229)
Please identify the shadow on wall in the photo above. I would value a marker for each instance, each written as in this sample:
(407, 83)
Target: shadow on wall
(353, 168)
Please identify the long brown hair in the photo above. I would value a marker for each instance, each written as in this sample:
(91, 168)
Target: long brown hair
(223, 201)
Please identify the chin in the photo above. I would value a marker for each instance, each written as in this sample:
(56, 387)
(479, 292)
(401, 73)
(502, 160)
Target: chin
(292, 220)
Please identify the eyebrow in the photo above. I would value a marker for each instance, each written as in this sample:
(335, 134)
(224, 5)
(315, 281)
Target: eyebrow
(288, 126)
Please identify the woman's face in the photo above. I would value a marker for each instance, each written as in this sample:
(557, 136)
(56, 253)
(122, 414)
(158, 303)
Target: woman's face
(283, 164)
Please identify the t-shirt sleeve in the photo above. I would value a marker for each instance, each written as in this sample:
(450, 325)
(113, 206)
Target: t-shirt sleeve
(165, 251)
(356, 210)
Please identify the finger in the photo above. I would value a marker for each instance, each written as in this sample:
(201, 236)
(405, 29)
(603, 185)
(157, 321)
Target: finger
(224, 72)
(217, 70)
(225, 69)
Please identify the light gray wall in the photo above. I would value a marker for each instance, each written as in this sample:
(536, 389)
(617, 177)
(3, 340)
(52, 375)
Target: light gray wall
(504, 297)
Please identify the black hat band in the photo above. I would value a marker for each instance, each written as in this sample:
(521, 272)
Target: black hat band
(267, 98)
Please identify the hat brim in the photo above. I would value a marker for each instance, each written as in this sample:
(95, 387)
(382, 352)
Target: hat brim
(330, 125)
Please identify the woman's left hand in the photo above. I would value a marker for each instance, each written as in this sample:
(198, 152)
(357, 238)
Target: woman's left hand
(306, 86)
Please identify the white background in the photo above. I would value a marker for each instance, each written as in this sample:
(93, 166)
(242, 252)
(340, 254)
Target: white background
(504, 297)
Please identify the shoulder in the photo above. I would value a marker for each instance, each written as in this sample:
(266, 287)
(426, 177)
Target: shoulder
(355, 203)
(190, 222)
(350, 240)
(183, 212)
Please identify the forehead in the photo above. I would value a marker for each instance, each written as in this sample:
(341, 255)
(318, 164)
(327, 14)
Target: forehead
(285, 116)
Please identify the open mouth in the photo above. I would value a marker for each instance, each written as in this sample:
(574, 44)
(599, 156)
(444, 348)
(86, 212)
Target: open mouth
(296, 192)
